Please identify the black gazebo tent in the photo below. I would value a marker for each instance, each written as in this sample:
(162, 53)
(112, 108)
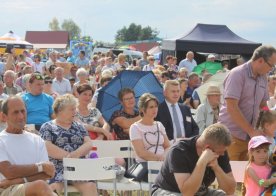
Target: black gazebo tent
(211, 38)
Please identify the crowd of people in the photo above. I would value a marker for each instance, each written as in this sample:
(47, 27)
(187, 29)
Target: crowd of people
(59, 98)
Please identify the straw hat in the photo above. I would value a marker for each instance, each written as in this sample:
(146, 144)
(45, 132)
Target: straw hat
(213, 90)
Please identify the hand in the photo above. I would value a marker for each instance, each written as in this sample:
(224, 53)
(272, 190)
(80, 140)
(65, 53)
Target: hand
(5, 183)
(49, 168)
(214, 164)
(208, 156)
(107, 134)
(255, 133)
(160, 157)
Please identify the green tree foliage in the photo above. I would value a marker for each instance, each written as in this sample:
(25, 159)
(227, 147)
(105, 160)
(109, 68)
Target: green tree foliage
(54, 25)
(70, 26)
(135, 32)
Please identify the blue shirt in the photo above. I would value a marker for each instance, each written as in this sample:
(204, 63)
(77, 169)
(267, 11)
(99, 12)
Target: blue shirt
(82, 62)
(39, 108)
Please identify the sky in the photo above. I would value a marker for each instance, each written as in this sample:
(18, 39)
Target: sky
(253, 20)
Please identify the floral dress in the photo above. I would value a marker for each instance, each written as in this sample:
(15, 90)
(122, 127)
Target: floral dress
(120, 134)
(69, 140)
(91, 119)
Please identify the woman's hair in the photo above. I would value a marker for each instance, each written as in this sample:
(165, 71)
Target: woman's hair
(250, 152)
(62, 101)
(265, 116)
(144, 102)
(84, 87)
(125, 91)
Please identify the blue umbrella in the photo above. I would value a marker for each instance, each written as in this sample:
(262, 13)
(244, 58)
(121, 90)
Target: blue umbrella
(140, 81)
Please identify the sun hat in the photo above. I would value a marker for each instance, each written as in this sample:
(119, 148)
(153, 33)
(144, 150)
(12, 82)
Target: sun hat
(257, 141)
(213, 90)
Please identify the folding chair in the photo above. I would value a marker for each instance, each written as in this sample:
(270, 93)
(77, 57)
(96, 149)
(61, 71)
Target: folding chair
(238, 169)
(116, 149)
(89, 169)
(153, 170)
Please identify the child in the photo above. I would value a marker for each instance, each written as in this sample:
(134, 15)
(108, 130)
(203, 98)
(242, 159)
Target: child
(267, 123)
(258, 170)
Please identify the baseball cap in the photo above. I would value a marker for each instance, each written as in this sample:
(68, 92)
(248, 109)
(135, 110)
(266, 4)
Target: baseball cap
(211, 56)
(257, 141)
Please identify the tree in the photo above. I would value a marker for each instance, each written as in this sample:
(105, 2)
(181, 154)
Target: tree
(70, 26)
(54, 25)
(135, 32)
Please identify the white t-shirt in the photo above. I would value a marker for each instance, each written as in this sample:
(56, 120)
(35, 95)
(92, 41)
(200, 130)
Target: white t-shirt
(148, 133)
(22, 149)
(61, 87)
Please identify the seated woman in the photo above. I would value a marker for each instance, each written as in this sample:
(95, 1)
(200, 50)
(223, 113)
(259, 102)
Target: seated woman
(122, 119)
(66, 138)
(91, 117)
(148, 136)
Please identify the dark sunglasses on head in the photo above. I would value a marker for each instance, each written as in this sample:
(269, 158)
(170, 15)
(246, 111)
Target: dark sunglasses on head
(48, 81)
(36, 77)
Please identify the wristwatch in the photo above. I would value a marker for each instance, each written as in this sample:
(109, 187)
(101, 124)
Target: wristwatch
(39, 167)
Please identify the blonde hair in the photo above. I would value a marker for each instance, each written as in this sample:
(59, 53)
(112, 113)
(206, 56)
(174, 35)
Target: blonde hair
(217, 134)
(170, 83)
(62, 101)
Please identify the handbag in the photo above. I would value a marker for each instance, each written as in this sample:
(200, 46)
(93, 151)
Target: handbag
(139, 171)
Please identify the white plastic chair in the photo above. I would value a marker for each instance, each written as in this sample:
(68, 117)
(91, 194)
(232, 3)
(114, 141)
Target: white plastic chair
(153, 170)
(238, 169)
(89, 169)
(116, 149)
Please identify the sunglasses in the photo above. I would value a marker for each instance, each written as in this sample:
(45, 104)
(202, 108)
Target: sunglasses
(48, 81)
(36, 77)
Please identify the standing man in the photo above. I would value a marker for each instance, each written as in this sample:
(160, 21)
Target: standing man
(189, 63)
(24, 161)
(144, 61)
(176, 118)
(192, 165)
(82, 61)
(245, 92)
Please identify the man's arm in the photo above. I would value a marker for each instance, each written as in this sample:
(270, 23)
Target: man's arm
(238, 118)
(226, 181)
(19, 171)
(189, 184)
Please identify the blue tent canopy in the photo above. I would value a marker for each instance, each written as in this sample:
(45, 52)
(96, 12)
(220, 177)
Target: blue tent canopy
(211, 38)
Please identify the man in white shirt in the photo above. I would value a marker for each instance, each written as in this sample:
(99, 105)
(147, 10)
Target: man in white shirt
(61, 85)
(189, 63)
(24, 164)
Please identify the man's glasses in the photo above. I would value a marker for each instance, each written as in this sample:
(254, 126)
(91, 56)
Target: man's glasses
(270, 65)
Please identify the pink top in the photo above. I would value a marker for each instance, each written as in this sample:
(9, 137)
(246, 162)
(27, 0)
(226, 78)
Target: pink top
(262, 172)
